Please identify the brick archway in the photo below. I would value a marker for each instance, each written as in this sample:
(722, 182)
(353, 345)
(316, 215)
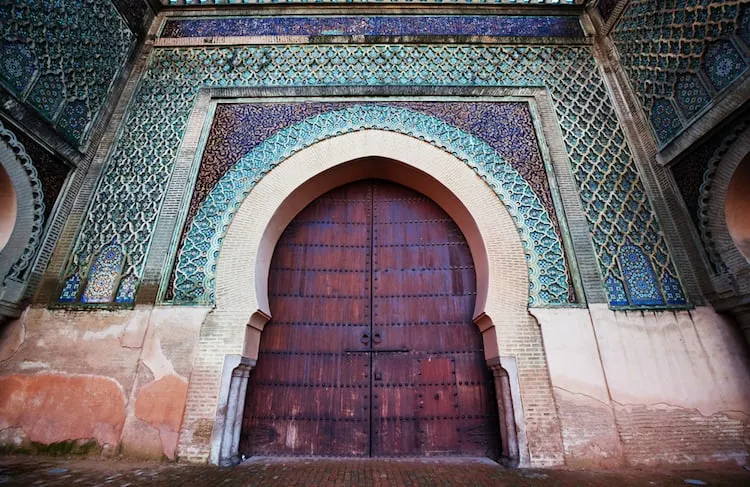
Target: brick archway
(246, 251)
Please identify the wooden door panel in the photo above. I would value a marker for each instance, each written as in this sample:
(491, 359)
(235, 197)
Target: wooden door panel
(358, 233)
(432, 337)
(432, 257)
(396, 437)
(323, 311)
(307, 394)
(296, 336)
(334, 283)
(393, 368)
(323, 257)
(421, 309)
(423, 294)
(393, 401)
(457, 281)
(351, 369)
(417, 232)
(318, 437)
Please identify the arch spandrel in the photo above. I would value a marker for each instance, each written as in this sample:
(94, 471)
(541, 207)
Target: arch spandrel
(547, 272)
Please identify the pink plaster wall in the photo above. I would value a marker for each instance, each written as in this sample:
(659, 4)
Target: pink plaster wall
(116, 377)
(679, 384)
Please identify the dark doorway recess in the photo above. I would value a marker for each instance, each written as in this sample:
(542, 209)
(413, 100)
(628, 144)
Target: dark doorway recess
(371, 350)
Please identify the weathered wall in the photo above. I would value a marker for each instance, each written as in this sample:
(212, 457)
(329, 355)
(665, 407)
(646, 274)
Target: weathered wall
(586, 415)
(648, 388)
(678, 383)
(117, 378)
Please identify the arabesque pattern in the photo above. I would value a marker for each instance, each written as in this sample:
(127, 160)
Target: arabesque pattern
(19, 269)
(141, 163)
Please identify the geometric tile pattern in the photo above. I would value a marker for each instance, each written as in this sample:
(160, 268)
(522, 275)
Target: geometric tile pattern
(640, 279)
(690, 94)
(195, 272)
(664, 119)
(62, 59)
(661, 41)
(141, 162)
(19, 269)
(723, 63)
(400, 25)
(507, 127)
(103, 276)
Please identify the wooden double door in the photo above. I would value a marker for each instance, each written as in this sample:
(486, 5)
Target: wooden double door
(371, 350)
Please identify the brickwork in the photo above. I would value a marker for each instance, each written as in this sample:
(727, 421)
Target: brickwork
(662, 434)
(24, 471)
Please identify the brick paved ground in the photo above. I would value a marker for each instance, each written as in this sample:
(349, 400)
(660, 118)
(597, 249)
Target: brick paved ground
(36, 471)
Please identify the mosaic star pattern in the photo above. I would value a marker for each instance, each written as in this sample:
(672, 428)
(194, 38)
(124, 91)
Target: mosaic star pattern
(63, 59)
(611, 191)
(103, 275)
(465, 25)
(660, 41)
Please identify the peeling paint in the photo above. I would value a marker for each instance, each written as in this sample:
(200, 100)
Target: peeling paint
(53, 408)
(32, 364)
(109, 332)
(160, 404)
(153, 357)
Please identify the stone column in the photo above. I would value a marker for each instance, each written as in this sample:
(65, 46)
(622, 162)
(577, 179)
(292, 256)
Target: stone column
(230, 426)
(508, 435)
